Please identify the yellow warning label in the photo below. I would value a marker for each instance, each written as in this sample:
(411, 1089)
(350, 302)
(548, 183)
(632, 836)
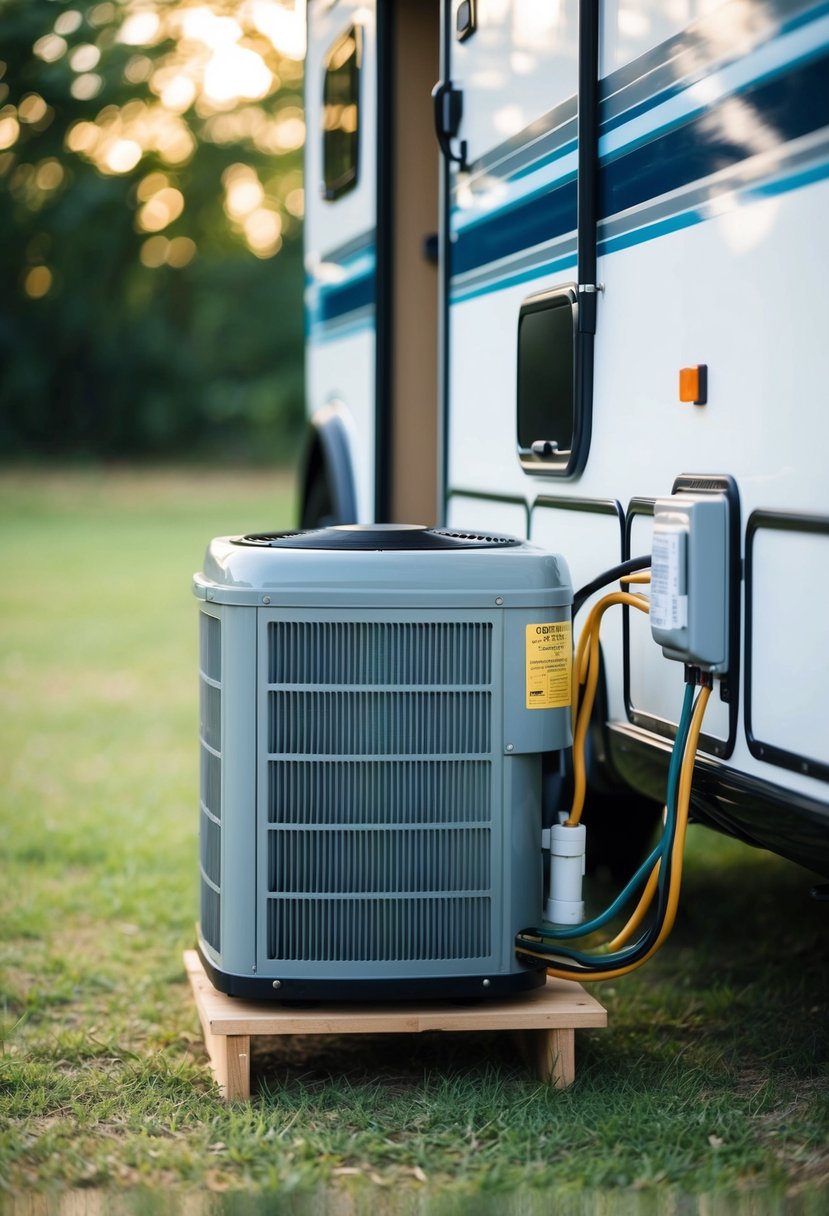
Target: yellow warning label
(549, 655)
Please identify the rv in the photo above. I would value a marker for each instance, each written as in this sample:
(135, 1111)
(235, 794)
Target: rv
(566, 266)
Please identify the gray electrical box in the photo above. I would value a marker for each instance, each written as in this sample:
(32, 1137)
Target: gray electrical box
(689, 612)
(375, 702)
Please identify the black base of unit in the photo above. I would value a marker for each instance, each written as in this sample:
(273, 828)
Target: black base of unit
(396, 988)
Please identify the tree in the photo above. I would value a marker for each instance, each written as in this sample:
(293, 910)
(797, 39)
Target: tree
(150, 178)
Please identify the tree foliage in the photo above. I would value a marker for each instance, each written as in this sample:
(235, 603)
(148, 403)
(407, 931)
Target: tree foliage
(150, 201)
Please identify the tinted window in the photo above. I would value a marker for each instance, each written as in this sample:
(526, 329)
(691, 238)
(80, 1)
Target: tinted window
(546, 374)
(340, 114)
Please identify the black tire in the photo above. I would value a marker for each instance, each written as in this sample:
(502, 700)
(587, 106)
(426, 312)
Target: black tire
(318, 509)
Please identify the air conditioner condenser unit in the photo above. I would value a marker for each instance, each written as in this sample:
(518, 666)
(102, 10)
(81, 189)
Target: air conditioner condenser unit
(375, 705)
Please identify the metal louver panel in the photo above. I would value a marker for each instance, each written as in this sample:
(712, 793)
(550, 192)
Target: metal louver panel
(210, 646)
(345, 860)
(210, 831)
(323, 792)
(379, 828)
(211, 714)
(437, 653)
(211, 849)
(211, 781)
(380, 930)
(380, 723)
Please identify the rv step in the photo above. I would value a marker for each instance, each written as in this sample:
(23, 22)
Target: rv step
(545, 1020)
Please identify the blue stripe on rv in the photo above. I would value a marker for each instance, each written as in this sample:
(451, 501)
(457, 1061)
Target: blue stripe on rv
(648, 229)
(794, 105)
(770, 33)
(341, 298)
(667, 73)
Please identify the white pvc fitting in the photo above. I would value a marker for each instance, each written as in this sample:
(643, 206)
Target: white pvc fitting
(567, 851)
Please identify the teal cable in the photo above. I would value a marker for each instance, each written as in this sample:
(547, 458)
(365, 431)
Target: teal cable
(662, 850)
(678, 752)
(597, 964)
(598, 922)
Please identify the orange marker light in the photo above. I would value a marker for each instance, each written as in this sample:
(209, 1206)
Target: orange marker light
(693, 384)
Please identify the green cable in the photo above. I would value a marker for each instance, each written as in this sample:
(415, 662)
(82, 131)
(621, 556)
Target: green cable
(662, 850)
(598, 922)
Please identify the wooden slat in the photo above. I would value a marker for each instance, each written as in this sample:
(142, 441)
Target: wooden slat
(559, 1004)
(544, 1023)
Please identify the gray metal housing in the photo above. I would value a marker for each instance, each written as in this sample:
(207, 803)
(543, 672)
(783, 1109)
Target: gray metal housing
(370, 774)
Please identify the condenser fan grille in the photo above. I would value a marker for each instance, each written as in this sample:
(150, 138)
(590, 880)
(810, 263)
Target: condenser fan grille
(360, 860)
(379, 831)
(379, 537)
(380, 930)
(437, 653)
(379, 723)
(307, 793)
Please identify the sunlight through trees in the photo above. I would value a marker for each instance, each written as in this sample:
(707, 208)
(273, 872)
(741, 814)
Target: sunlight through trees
(150, 170)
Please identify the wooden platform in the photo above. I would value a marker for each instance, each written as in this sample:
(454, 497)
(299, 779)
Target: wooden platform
(546, 1020)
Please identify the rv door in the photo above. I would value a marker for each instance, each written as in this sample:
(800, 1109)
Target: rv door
(341, 261)
(514, 372)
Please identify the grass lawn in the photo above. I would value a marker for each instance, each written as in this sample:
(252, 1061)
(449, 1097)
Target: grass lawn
(711, 1080)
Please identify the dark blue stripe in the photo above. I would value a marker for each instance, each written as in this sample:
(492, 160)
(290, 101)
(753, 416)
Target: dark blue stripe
(790, 105)
(540, 218)
(659, 74)
(695, 41)
(337, 300)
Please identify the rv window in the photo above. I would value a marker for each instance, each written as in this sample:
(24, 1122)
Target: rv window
(546, 380)
(340, 114)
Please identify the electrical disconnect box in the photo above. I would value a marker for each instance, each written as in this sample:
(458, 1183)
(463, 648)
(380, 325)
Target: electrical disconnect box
(690, 585)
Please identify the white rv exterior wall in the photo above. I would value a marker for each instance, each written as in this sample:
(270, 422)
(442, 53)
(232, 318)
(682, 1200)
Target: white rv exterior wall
(727, 268)
(738, 284)
(340, 249)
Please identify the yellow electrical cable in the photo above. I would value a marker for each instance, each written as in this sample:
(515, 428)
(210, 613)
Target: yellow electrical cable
(581, 659)
(583, 703)
(579, 737)
(589, 646)
(640, 911)
(594, 616)
(683, 804)
(591, 626)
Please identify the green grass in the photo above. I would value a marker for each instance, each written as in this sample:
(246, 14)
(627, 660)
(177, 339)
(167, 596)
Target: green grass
(712, 1078)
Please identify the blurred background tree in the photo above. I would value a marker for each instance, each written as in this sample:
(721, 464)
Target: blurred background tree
(150, 210)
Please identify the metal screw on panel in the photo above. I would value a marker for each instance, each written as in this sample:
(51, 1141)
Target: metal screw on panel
(499, 599)
(276, 984)
(486, 983)
(266, 599)
(510, 747)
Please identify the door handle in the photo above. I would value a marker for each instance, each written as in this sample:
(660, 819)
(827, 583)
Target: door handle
(448, 104)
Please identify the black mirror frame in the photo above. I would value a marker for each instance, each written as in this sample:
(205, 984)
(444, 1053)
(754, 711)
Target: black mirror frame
(571, 461)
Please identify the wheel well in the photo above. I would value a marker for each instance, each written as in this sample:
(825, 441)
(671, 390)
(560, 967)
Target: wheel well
(327, 493)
